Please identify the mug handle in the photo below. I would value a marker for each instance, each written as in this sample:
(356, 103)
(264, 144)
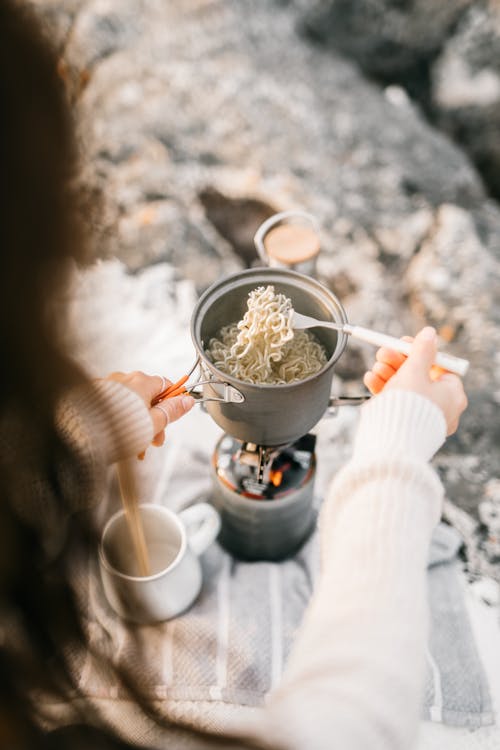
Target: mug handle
(202, 524)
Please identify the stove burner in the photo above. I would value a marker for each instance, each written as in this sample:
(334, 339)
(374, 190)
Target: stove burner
(264, 473)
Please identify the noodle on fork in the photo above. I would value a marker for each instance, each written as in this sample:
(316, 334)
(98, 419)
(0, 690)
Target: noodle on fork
(263, 347)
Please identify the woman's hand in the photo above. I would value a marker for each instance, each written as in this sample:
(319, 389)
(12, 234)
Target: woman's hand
(149, 386)
(417, 373)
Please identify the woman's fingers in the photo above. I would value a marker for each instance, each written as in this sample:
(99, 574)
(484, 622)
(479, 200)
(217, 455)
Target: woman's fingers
(383, 370)
(146, 386)
(149, 387)
(377, 377)
(159, 439)
(390, 357)
(436, 372)
(385, 367)
(373, 382)
(170, 410)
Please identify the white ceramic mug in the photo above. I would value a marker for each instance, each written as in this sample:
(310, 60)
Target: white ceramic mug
(174, 543)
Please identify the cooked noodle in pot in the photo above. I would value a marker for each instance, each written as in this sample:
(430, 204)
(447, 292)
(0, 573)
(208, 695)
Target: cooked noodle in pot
(263, 347)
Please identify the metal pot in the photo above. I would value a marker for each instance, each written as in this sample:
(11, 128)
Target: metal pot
(266, 414)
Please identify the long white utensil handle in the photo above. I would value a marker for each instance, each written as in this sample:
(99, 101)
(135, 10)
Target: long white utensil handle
(446, 361)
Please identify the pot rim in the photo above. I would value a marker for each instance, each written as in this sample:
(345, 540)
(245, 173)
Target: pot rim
(342, 338)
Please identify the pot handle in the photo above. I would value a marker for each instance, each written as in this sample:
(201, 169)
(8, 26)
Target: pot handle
(347, 400)
(335, 402)
(227, 393)
(224, 392)
(271, 222)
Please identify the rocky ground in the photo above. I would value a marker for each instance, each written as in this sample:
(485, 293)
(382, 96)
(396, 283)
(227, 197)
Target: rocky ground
(200, 118)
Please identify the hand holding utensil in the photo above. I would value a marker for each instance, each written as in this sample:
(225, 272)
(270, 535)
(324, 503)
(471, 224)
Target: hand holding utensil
(175, 389)
(446, 361)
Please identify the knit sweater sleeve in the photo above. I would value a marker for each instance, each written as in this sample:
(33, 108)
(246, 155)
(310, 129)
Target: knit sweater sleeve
(103, 422)
(355, 677)
(106, 421)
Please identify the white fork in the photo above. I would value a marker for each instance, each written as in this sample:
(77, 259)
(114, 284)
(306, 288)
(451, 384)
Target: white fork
(447, 361)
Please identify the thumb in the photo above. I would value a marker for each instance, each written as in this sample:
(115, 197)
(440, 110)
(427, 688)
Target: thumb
(423, 350)
(169, 410)
(176, 407)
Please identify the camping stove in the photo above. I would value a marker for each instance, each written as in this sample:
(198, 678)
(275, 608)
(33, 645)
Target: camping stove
(264, 495)
(263, 469)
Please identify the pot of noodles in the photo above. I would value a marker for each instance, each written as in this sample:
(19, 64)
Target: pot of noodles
(280, 379)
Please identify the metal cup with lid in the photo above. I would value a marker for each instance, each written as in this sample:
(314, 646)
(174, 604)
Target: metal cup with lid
(289, 239)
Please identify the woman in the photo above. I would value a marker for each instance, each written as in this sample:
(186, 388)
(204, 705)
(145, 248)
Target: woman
(355, 675)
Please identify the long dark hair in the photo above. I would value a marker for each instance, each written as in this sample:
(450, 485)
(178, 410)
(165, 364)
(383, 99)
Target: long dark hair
(41, 537)
(41, 232)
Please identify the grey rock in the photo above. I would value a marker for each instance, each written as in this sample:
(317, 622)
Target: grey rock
(470, 458)
(392, 40)
(58, 17)
(236, 219)
(100, 28)
(266, 118)
(465, 92)
(454, 282)
(445, 54)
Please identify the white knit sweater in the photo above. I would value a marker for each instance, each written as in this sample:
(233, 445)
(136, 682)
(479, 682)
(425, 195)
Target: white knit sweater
(355, 677)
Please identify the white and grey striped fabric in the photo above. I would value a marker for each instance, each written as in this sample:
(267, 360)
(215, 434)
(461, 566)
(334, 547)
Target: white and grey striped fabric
(457, 690)
(231, 646)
